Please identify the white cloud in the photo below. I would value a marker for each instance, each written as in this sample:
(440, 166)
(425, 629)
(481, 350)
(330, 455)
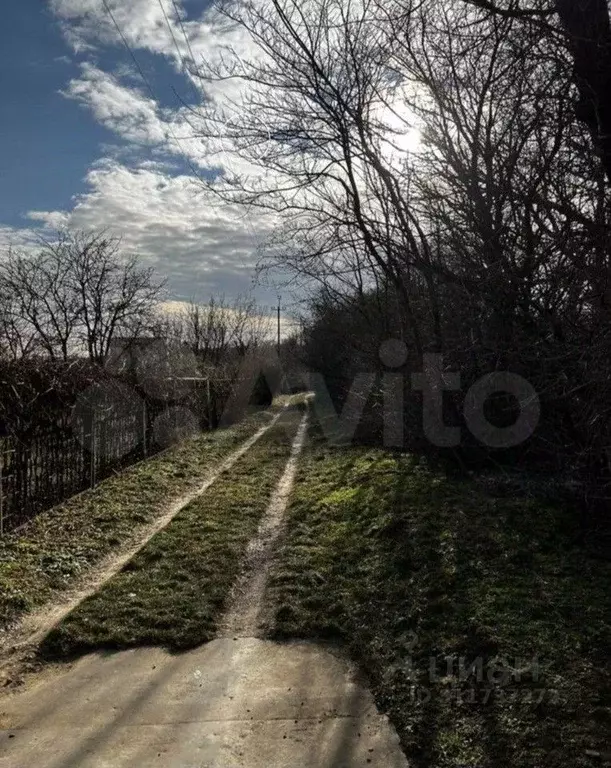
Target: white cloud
(17, 238)
(143, 26)
(135, 117)
(131, 110)
(142, 23)
(126, 111)
(133, 190)
(51, 219)
(200, 245)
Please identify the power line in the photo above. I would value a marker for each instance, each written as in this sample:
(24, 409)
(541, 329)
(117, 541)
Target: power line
(178, 51)
(169, 26)
(195, 90)
(129, 50)
(184, 31)
(149, 86)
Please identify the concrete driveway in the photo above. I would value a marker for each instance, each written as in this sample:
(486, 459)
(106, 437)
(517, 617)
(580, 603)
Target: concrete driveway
(243, 702)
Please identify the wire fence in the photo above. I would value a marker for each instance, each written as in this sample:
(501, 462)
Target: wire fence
(55, 462)
(46, 464)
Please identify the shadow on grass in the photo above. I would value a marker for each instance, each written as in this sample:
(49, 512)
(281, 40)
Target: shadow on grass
(415, 571)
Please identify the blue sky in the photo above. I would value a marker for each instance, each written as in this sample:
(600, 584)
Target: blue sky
(84, 144)
(47, 142)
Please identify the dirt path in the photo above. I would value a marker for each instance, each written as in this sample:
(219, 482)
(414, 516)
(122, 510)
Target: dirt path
(236, 702)
(20, 642)
(246, 602)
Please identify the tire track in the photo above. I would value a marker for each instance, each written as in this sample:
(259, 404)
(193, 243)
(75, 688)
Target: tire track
(243, 617)
(21, 642)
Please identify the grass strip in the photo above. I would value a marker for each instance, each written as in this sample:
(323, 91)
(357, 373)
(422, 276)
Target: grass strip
(59, 545)
(172, 592)
(408, 567)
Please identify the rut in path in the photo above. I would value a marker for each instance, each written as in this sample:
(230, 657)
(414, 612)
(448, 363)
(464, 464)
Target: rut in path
(243, 617)
(19, 643)
(231, 703)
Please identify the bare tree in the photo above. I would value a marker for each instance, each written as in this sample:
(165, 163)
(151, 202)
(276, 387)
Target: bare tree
(42, 300)
(313, 122)
(77, 292)
(490, 237)
(587, 35)
(219, 339)
(17, 337)
(117, 295)
(219, 329)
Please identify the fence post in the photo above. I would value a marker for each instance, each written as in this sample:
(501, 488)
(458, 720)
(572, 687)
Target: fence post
(93, 450)
(2, 491)
(101, 447)
(144, 428)
(208, 404)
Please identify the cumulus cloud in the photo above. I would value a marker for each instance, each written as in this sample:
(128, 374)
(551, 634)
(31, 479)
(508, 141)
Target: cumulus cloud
(121, 109)
(87, 22)
(133, 115)
(158, 26)
(51, 219)
(135, 189)
(146, 24)
(202, 246)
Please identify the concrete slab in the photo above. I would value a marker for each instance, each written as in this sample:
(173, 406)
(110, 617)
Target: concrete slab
(246, 702)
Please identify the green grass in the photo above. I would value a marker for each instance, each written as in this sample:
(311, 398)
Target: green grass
(172, 592)
(404, 565)
(55, 548)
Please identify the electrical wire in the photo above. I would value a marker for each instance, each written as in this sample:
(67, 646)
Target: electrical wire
(184, 32)
(149, 86)
(178, 51)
